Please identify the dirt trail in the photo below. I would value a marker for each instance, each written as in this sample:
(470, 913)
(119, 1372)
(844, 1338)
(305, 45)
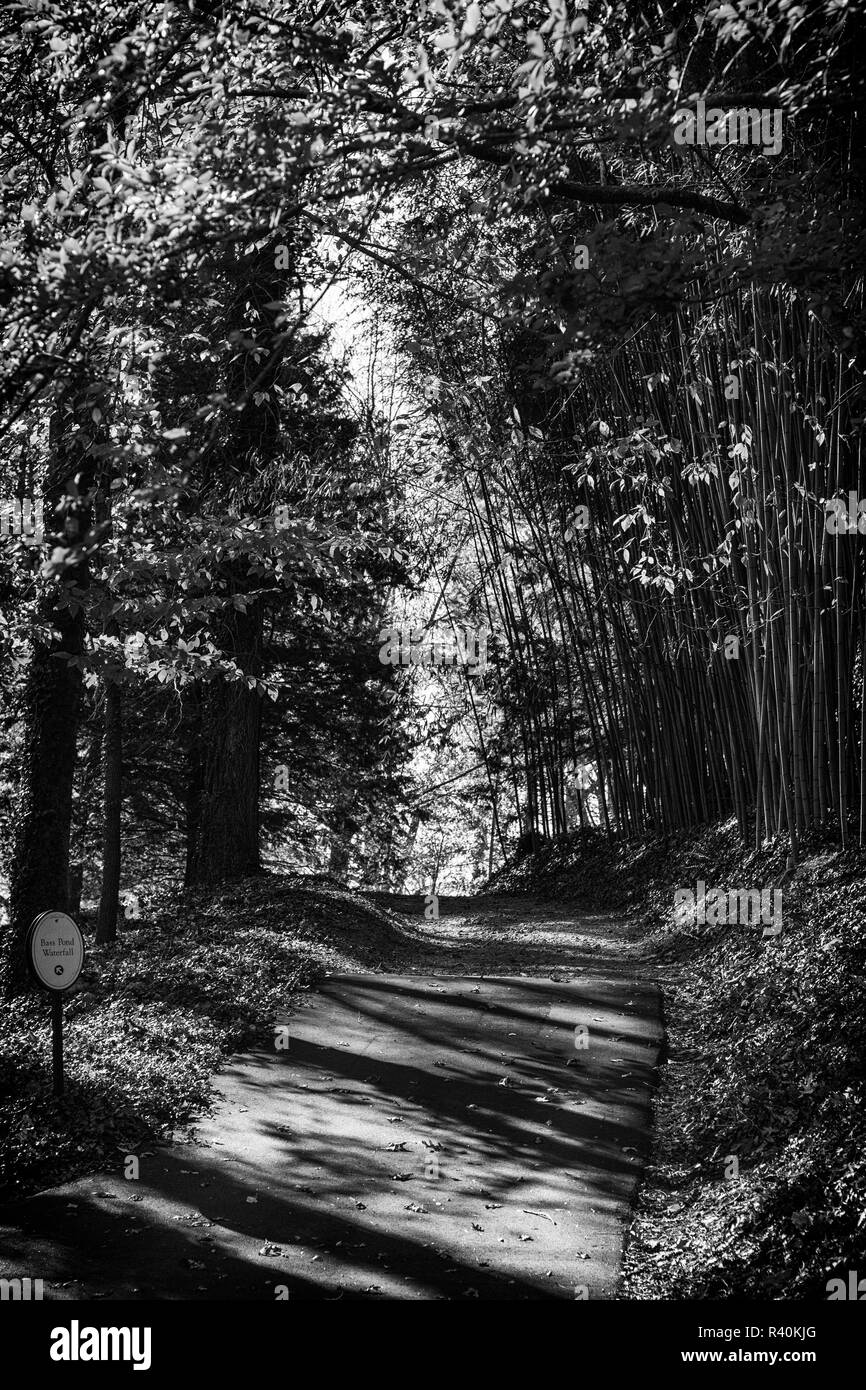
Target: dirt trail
(472, 1127)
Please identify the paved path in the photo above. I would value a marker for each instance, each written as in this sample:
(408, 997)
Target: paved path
(420, 1137)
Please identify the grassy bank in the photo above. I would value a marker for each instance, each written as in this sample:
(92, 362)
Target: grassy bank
(758, 1181)
(152, 1018)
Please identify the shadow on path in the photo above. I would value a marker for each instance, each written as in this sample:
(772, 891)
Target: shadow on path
(407, 1137)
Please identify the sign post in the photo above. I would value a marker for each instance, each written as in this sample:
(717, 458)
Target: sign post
(55, 955)
(57, 1040)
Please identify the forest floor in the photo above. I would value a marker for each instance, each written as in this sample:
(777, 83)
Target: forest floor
(472, 1126)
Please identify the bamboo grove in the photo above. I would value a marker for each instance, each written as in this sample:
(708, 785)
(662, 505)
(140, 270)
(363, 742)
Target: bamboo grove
(659, 441)
(658, 435)
(698, 639)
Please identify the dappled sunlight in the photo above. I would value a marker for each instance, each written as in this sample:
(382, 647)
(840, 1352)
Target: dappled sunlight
(410, 1136)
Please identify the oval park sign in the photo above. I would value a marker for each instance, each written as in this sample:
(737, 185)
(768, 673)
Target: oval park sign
(55, 950)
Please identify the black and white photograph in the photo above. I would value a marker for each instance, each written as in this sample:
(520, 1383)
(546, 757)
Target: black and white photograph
(432, 676)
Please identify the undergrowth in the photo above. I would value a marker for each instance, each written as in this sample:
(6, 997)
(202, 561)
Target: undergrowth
(153, 1016)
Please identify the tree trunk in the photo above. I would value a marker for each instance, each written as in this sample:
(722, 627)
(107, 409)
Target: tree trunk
(192, 723)
(226, 836)
(39, 872)
(76, 885)
(39, 877)
(106, 925)
(341, 848)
